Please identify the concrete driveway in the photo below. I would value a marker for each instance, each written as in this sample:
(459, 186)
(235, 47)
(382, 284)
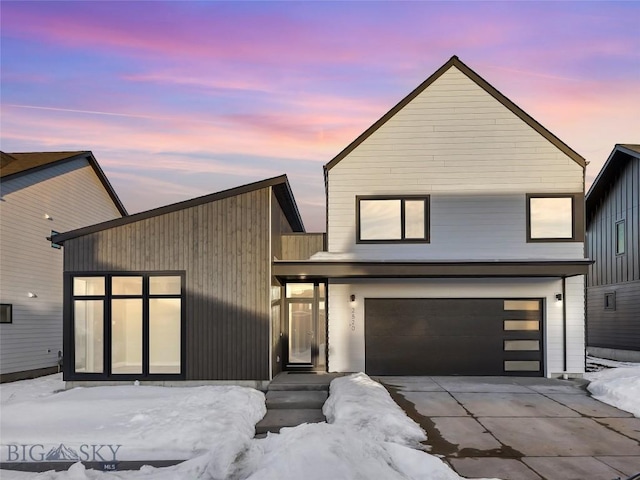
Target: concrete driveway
(520, 428)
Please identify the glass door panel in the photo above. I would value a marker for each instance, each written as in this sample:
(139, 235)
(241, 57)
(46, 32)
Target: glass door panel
(300, 332)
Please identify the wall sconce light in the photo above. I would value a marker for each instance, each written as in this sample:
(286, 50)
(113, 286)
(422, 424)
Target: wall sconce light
(559, 297)
(48, 217)
(353, 297)
(32, 295)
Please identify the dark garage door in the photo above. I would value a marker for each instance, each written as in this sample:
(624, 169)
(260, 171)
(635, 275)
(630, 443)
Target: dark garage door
(453, 336)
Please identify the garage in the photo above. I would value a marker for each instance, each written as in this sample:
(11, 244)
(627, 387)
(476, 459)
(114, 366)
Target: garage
(452, 336)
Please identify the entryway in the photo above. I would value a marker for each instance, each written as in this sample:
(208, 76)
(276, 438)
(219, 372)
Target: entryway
(306, 326)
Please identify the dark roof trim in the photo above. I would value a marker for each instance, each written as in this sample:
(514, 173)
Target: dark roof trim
(280, 185)
(72, 156)
(617, 160)
(372, 269)
(455, 62)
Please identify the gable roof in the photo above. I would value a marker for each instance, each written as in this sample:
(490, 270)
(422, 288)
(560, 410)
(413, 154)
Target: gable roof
(281, 189)
(482, 83)
(13, 165)
(617, 161)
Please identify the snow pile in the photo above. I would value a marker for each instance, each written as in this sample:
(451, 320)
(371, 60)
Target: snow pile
(323, 451)
(358, 402)
(150, 423)
(619, 387)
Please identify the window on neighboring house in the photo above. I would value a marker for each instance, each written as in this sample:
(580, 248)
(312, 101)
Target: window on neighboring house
(620, 237)
(610, 301)
(128, 324)
(392, 219)
(550, 218)
(6, 313)
(53, 244)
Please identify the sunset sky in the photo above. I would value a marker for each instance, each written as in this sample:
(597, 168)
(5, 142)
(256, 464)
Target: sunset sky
(181, 99)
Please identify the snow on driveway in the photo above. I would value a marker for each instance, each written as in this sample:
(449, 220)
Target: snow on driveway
(619, 387)
(368, 437)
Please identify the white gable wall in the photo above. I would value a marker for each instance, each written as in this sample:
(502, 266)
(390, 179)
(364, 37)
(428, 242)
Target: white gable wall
(475, 158)
(72, 194)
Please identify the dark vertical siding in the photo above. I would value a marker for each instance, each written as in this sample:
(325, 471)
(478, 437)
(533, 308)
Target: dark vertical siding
(224, 248)
(300, 246)
(615, 273)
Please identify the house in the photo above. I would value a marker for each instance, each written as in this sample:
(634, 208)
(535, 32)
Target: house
(454, 245)
(613, 241)
(41, 194)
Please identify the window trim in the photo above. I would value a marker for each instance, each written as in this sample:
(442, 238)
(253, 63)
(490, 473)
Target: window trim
(69, 324)
(612, 306)
(402, 199)
(10, 309)
(577, 213)
(624, 238)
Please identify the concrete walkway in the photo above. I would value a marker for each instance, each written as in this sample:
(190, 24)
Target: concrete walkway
(520, 428)
(294, 399)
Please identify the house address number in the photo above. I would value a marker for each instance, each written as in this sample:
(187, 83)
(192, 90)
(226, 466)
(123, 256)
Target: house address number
(352, 323)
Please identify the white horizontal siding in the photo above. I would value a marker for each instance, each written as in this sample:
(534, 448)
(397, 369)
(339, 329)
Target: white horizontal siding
(454, 141)
(346, 335)
(73, 196)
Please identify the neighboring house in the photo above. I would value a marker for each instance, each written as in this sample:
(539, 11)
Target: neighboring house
(613, 241)
(454, 245)
(41, 193)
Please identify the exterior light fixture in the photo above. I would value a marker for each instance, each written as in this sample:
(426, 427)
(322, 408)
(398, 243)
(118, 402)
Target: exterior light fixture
(353, 297)
(559, 297)
(32, 295)
(48, 217)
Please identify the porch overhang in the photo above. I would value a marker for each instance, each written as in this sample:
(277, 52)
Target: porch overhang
(309, 269)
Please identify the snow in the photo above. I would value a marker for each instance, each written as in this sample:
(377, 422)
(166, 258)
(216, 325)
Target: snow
(368, 436)
(619, 387)
(364, 405)
(30, 389)
(150, 423)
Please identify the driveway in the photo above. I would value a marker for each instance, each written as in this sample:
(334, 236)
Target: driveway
(520, 428)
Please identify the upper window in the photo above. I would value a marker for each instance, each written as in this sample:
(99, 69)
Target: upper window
(550, 218)
(393, 219)
(620, 237)
(6, 313)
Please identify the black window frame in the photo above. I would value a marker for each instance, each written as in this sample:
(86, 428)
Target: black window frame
(402, 199)
(69, 337)
(9, 315)
(577, 218)
(624, 237)
(610, 301)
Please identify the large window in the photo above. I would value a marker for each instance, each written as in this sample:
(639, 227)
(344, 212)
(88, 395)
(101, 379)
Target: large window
(550, 218)
(127, 324)
(393, 219)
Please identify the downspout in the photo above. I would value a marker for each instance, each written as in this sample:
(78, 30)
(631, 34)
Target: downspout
(564, 326)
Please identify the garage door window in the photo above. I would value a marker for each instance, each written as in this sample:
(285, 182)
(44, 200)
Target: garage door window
(522, 336)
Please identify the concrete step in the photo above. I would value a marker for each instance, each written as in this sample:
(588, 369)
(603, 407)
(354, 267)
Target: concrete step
(306, 399)
(302, 381)
(275, 419)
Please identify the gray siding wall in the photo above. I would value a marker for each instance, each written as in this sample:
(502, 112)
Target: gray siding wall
(300, 246)
(73, 196)
(223, 247)
(619, 328)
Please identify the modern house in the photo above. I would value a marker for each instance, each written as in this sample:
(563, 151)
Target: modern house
(613, 241)
(41, 194)
(454, 245)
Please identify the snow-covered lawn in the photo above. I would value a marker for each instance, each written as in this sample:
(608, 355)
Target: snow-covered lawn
(368, 437)
(618, 386)
(149, 423)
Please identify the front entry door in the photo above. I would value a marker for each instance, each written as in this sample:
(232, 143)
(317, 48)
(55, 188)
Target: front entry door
(306, 326)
